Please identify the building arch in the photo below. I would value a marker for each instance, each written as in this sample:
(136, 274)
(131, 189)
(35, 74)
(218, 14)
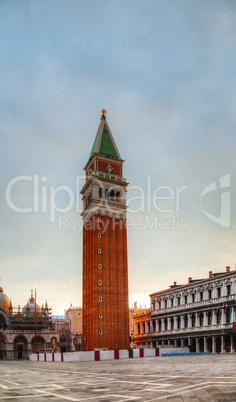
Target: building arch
(178, 343)
(193, 318)
(209, 344)
(185, 321)
(40, 344)
(201, 319)
(228, 315)
(112, 195)
(154, 325)
(3, 320)
(106, 193)
(185, 342)
(209, 317)
(3, 343)
(118, 196)
(201, 344)
(20, 347)
(218, 344)
(227, 343)
(193, 345)
(166, 324)
(218, 316)
(101, 192)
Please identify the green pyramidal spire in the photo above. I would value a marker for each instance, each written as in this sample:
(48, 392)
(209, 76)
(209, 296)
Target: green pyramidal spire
(104, 142)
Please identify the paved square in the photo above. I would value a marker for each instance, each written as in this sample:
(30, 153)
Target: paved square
(177, 378)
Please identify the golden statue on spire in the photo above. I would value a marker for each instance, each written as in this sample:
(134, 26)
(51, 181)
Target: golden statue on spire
(104, 111)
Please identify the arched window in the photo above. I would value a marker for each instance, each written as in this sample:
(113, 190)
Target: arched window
(193, 320)
(172, 322)
(138, 328)
(149, 327)
(159, 323)
(228, 315)
(154, 325)
(178, 322)
(166, 324)
(185, 321)
(112, 195)
(218, 317)
(106, 193)
(144, 327)
(201, 319)
(118, 196)
(209, 318)
(101, 193)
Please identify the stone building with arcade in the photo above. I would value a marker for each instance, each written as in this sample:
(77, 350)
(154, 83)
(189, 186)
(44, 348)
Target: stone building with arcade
(198, 315)
(17, 329)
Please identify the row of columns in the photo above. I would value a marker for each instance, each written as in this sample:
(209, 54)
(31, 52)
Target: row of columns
(215, 345)
(182, 322)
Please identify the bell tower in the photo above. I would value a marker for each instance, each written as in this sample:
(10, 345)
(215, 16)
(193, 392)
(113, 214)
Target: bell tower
(105, 268)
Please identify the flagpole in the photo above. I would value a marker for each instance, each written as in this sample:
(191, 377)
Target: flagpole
(35, 323)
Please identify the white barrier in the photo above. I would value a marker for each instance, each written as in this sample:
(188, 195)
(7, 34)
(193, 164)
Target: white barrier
(57, 357)
(124, 354)
(107, 355)
(86, 356)
(98, 355)
(135, 353)
(49, 357)
(149, 352)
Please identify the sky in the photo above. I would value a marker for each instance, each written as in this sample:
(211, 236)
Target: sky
(165, 71)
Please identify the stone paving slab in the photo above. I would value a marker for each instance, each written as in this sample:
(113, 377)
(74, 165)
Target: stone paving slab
(178, 378)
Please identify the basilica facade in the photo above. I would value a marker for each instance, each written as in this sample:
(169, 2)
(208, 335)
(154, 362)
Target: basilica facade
(17, 329)
(199, 315)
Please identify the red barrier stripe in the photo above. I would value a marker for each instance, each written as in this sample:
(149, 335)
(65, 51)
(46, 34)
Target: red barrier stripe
(97, 355)
(116, 354)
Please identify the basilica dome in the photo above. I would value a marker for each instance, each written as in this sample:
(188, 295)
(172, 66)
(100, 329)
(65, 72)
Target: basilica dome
(4, 301)
(29, 308)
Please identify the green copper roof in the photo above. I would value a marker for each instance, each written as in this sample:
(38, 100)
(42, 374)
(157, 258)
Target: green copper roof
(95, 143)
(106, 146)
(104, 142)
